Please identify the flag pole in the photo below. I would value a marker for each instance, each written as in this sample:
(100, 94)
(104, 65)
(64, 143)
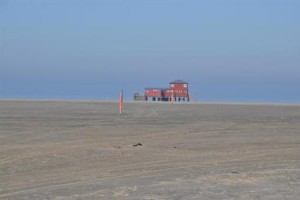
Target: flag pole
(121, 102)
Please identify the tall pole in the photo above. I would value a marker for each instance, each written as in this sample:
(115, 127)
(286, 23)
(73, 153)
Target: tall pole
(121, 102)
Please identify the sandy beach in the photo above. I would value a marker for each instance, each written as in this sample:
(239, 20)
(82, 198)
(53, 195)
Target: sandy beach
(86, 150)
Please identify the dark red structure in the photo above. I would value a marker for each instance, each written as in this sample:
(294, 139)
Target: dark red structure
(178, 90)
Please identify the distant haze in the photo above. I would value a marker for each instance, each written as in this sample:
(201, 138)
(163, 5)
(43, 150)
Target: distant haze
(238, 51)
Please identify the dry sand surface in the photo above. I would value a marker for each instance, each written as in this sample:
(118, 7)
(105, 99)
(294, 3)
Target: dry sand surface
(85, 150)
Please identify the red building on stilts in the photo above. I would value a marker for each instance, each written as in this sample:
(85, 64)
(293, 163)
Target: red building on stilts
(178, 89)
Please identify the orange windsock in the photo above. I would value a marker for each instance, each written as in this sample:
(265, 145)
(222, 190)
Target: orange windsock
(121, 102)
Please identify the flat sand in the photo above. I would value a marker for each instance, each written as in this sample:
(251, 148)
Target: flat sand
(86, 150)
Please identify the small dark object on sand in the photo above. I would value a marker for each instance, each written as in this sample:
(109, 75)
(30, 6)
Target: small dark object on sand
(138, 144)
(175, 147)
(118, 147)
(235, 172)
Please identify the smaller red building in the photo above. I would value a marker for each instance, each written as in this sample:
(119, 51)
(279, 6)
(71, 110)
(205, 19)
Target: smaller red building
(156, 94)
(178, 90)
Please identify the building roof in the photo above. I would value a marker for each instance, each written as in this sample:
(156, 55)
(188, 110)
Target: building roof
(178, 81)
(156, 88)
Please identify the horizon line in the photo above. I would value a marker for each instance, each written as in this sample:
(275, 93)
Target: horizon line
(149, 102)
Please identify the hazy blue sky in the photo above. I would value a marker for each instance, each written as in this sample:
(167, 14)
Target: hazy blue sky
(227, 50)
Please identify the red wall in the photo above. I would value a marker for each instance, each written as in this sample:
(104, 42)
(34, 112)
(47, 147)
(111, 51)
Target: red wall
(153, 93)
(179, 90)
